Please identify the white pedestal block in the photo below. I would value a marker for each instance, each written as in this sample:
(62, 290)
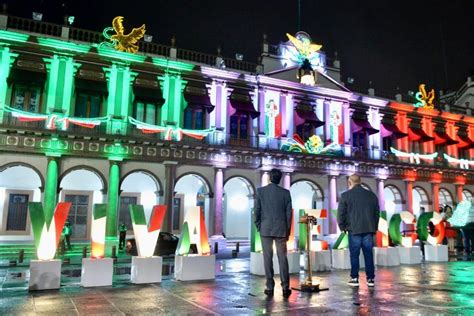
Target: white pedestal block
(257, 266)
(386, 257)
(409, 255)
(45, 274)
(97, 272)
(320, 260)
(146, 270)
(190, 268)
(341, 259)
(438, 253)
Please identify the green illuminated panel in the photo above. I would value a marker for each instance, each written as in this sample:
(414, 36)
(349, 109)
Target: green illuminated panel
(184, 244)
(171, 64)
(13, 36)
(255, 240)
(112, 199)
(64, 46)
(112, 53)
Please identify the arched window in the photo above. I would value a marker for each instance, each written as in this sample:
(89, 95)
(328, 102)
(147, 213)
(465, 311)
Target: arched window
(445, 198)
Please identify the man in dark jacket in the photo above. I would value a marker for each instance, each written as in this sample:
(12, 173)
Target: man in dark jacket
(358, 213)
(273, 221)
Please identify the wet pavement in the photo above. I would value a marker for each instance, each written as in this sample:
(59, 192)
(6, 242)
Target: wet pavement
(426, 289)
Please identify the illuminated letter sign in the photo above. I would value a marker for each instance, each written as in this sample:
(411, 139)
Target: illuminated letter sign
(47, 231)
(146, 236)
(193, 232)
(99, 218)
(394, 229)
(422, 228)
(382, 232)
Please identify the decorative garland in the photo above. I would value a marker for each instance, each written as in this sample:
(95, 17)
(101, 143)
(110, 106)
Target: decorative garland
(414, 157)
(54, 120)
(171, 133)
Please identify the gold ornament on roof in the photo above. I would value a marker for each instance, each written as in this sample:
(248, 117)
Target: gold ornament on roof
(425, 100)
(120, 41)
(303, 45)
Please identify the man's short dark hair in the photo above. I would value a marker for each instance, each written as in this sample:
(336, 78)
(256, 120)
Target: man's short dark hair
(275, 176)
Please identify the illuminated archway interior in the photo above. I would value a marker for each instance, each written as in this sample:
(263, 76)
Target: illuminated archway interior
(306, 195)
(137, 188)
(467, 196)
(445, 198)
(18, 186)
(238, 206)
(190, 190)
(420, 200)
(393, 201)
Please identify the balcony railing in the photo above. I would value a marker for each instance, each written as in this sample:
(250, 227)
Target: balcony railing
(87, 36)
(126, 131)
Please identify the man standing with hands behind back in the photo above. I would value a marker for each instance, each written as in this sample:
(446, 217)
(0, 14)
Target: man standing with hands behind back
(273, 221)
(358, 214)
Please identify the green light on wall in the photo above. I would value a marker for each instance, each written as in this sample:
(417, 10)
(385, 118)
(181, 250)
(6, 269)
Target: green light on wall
(13, 36)
(172, 65)
(121, 56)
(6, 60)
(63, 46)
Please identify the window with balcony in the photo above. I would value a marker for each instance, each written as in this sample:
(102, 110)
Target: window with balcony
(464, 153)
(194, 118)
(387, 143)
(359, 140)
(305, 131)
(88, 105)
(26, 98)
(147, 112)
(239, 127)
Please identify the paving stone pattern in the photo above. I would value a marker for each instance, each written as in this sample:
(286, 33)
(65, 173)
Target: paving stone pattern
(426, 289)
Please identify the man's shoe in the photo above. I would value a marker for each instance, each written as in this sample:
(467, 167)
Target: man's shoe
(353, 282)
(268, 292)
(370, 283)
(286, 293)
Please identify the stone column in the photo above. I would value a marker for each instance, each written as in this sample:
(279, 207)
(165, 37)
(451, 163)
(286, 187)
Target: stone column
(332, 204)
(287, 180)
(346, 121)
(170, 179)
(381, 193)
(459, 189)
(265, 179)
(6, 60)
(218, 196)
(261, 109)
(113, 199)
(51, 188)
(284, 124)
(435, 191)
(409, 193)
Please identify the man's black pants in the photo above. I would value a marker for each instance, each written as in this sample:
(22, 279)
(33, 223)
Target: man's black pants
(267, 247)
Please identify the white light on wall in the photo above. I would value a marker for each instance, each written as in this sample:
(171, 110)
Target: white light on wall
(239, 202)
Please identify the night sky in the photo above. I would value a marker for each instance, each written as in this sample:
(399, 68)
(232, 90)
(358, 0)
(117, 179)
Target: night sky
(388, 43)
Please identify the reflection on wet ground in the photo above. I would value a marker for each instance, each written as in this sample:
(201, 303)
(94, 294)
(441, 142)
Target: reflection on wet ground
(426, 289)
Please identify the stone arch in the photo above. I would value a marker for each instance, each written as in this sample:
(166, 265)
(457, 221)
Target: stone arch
(190, 195)
(393, 200)
(26, 165)
(445, 197)
(420, 200)
(149, 173)
(97, 172)
(467, 195)
(238, 203)
(303, 198)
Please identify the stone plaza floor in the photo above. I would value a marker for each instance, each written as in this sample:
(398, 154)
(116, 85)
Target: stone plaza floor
(426, 289)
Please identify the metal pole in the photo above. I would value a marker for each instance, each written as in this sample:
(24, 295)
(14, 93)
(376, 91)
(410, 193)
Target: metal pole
(309, 279)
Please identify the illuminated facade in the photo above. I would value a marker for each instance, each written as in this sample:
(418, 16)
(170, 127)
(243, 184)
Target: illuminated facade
(86, 124)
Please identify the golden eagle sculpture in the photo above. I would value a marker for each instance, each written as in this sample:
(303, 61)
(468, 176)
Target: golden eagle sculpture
(303, 45)
(126, 42)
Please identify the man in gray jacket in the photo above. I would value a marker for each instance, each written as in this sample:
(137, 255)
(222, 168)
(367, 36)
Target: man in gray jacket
(273, 221)
(358, 214)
